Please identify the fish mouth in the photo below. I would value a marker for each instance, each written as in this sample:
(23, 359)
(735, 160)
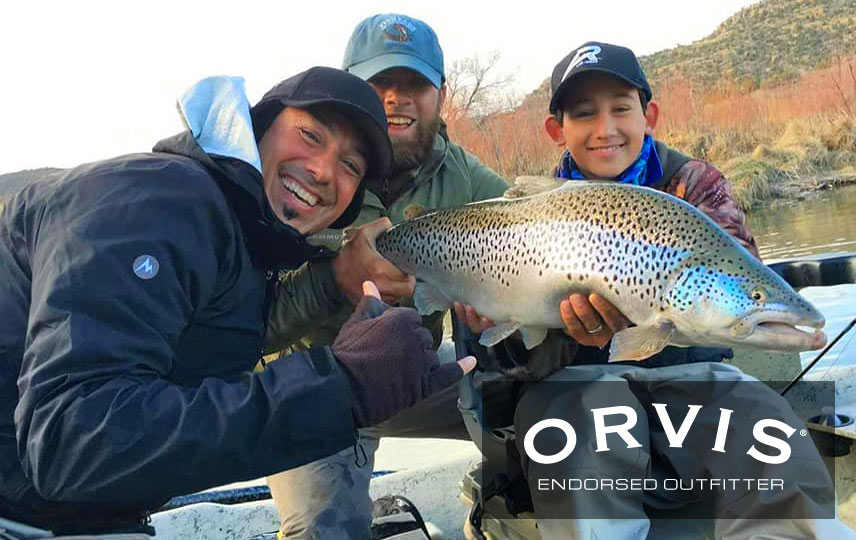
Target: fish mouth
(785, 331)
(780, 331)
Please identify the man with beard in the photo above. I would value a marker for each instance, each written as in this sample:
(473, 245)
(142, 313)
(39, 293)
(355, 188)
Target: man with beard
(402, 60)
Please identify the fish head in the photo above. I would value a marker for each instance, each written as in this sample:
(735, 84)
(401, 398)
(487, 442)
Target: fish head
(737, 301)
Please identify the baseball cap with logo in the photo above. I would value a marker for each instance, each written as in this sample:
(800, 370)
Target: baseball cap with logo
(392, 40)
(595, 56)
(350, 95)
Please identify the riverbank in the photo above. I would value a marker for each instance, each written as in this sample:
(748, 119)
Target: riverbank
(770, 163)
(758, 183)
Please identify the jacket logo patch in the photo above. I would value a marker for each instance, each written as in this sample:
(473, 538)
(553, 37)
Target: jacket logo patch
(146, 267)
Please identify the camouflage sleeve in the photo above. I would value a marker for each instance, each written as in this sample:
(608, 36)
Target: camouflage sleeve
(705, 187)
(303, 297)
(486, 183)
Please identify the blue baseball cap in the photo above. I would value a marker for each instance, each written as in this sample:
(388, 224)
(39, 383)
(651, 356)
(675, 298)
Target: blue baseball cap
(390, 40)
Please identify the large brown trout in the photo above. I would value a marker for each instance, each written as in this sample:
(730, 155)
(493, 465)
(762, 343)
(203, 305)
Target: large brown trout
(669, 268)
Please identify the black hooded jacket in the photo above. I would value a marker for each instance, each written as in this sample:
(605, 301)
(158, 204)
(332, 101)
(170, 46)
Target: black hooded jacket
(125, 380)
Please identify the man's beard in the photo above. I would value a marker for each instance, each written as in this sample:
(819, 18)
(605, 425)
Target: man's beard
(408, 155)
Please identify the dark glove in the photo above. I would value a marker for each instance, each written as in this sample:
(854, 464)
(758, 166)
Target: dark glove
(511, 358)
(390, 361)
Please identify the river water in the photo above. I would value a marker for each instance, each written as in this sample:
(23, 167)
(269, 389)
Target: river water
(822, 223)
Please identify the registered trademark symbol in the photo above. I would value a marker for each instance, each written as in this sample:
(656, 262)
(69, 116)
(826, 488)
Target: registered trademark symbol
(803, 432)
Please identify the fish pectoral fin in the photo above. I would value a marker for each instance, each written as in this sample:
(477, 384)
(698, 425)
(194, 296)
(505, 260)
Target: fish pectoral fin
(525, 186)
(532, 336)
(495, 334)
(639, 342)
(429, 299)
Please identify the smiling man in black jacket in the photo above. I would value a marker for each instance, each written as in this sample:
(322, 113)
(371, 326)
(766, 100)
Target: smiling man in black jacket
(133, 294)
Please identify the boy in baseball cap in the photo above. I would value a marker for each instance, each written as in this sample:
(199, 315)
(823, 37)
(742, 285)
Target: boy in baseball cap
(602, 115)
(601, 111)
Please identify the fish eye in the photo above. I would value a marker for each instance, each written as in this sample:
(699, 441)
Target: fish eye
(759, 295)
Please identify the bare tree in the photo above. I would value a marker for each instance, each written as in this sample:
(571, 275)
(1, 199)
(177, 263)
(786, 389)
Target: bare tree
(475, 88)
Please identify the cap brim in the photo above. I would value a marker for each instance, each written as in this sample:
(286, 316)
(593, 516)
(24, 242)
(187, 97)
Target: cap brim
(368, 69)
(557, 95)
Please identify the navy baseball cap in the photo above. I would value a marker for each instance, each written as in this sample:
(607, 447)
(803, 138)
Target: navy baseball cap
(391, 40)
(595, 56)
(350, 95)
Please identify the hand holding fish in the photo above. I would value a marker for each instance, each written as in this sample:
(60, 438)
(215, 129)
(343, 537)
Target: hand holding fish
(591, 321)
(475, 322)
(359, 261)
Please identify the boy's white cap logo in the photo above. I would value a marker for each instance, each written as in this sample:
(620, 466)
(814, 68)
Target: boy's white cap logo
(146, 267)
(584, 55)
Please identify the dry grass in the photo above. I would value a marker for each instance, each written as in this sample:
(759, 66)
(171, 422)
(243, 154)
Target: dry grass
(826, 91)
(512, 144)
(773, 141)
(754, 180)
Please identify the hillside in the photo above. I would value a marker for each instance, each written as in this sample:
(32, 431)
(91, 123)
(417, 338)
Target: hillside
(765, 44)
(762, 45)
(12, 183)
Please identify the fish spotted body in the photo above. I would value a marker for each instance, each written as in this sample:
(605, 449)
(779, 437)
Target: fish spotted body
(669, 268)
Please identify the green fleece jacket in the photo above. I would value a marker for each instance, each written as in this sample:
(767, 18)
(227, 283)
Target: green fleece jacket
(309, 308)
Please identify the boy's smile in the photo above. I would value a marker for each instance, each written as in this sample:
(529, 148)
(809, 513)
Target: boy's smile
(607, 151)
(603, 125)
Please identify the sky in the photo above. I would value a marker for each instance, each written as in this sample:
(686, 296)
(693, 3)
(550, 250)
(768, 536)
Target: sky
(85, 80)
